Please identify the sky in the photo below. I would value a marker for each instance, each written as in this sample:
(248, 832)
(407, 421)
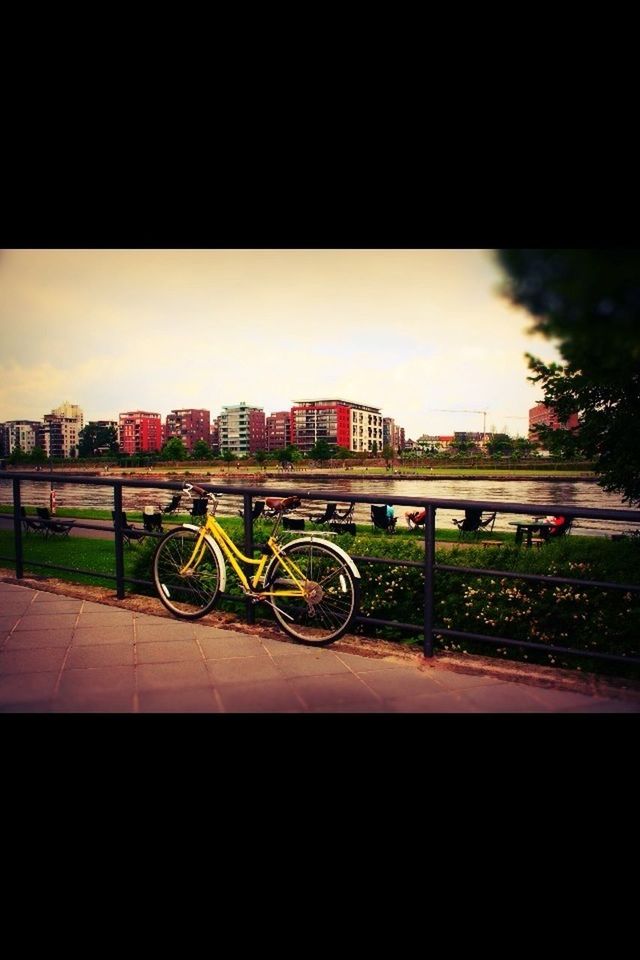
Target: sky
(411, 331)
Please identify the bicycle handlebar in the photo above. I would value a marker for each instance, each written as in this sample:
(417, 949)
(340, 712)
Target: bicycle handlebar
(201, 492)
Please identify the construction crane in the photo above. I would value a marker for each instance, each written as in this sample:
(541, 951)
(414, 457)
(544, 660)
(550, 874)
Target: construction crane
(483, 412)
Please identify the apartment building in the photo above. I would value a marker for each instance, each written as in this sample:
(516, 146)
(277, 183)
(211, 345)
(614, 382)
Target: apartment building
(139, 432)
(278, 430)
(392, 434)
(543, 415)
(242, 429)
(59, 433)
(189, 426)
(18, 433)
(340, 422)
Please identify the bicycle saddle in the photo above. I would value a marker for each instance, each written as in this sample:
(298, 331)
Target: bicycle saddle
(280, 504)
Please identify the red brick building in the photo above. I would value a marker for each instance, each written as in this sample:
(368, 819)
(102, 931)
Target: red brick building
(330, 420)
(278, 430)
(139, 432)
(189, 426)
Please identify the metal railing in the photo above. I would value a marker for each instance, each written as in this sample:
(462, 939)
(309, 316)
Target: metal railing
(429, 566)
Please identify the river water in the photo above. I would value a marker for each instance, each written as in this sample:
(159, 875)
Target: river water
(542, 495)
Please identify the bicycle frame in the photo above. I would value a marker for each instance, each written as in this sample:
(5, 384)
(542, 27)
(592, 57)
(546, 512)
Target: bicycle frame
(233, 554)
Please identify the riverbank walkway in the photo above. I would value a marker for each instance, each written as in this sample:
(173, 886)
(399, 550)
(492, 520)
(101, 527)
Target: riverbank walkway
(64, 654)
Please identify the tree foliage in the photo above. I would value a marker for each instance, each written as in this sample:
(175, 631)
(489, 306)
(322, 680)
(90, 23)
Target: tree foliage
(174, 449)
(95, 439)
(588, 301)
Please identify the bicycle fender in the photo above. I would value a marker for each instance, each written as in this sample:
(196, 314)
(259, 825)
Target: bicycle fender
(216, 549)
(334, 546)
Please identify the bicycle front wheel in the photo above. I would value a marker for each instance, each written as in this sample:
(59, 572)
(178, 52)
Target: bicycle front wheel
(187, 593)
(331, 593)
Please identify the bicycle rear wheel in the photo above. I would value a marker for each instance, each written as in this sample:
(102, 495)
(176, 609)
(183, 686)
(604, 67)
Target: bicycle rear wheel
(331, 593)
(187, 595)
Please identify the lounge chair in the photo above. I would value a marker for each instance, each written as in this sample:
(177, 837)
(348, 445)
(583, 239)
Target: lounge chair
(199, 508)
(129, 531)
(329, 513)
(472, 522)
(343, 520)
(31, 524)
(51, 525)
(416, 519)
(152, 519)
(257, 510)
(173, 506)
(381, 520)
(561, 526)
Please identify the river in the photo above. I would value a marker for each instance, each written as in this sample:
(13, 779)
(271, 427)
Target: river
(541, 494)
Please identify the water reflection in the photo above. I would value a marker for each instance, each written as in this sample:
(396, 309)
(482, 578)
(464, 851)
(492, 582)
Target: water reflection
(542, 495)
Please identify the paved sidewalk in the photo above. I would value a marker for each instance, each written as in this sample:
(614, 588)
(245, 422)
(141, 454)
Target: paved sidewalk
(65, 655)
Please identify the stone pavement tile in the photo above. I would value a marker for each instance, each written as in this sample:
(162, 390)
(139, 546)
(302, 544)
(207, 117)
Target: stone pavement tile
(43, 596)
(54, 637)
(92, 636)
(181, 674)
(320, 663)
(193, 700)
(243, 669)
(166, 651)
(360, 664)
(503, 697)
(100, 655)
(285, 647)
(21, 688)
(269, 696)
(334, 690)
(605, 706)
(442, 702)
(38, 621)
(105, 617)
(229, 644)
(57, 605)
(164, 630)
(31, 660)
(87, 701)
(7, 623)
(89, 683)
(14, 604)
(561, 700)
(451, 680)
(390, 684)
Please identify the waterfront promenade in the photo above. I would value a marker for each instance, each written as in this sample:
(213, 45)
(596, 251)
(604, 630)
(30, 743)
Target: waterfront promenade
(66, 654)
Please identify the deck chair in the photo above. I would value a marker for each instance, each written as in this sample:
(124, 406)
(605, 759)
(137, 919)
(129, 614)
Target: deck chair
(557, 531)
(30, 523)
(380, 519)
(343, 520)
(129, 531)
(329, 513)
(151, 519)
(257, 510)
(51, 525)
(416, 519)
(173, 506)
(472, 521)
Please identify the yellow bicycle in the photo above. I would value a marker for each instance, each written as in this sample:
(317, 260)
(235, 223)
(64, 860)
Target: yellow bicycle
(312, 585)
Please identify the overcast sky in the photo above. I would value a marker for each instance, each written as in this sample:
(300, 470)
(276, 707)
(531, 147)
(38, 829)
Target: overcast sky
(409, 331)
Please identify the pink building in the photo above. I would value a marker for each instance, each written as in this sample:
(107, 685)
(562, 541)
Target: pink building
(189, 426)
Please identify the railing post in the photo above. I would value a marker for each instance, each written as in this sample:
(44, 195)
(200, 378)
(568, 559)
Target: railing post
(118, 540)
(429, 570)
(248, 549)
(17, 529)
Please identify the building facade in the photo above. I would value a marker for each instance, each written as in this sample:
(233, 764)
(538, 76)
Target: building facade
(18, 433)
(242, 429)
(278, 430)
(139, 432)
(189, 426)
(546, 416)
(340, 422)
(59, 433)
